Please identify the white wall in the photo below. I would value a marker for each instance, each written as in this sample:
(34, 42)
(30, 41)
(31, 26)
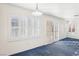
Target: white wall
(10, 47)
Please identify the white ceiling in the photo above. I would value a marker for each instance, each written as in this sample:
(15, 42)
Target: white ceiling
(63, 10)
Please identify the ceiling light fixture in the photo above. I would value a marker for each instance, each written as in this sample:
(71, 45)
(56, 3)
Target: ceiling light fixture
(37, 12)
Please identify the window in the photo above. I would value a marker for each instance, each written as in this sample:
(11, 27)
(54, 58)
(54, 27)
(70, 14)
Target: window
(14, 26)
(19, 28)
(72, 27)
(35, 26)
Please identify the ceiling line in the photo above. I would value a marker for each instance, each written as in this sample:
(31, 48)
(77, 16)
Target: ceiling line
(34, 10)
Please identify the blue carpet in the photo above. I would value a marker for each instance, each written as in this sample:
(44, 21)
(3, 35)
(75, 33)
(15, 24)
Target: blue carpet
(64, 47)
